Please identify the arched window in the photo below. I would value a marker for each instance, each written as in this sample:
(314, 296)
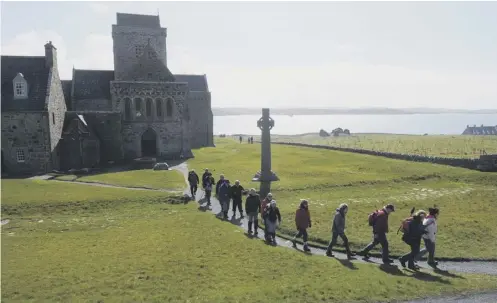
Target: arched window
(158, 104)
(149, 107)
(138, 107)
(127, 109)
(169, 108)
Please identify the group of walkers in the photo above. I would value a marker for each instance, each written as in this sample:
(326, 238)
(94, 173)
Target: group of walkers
(250, 140)
(420, 225)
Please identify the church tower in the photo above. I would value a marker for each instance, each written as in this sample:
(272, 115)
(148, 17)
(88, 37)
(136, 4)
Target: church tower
(140, 49)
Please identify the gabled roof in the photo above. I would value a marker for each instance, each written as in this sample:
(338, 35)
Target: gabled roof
(138, 20)
(92, 84)
(196, 83)
(480, 130)
(36, 74)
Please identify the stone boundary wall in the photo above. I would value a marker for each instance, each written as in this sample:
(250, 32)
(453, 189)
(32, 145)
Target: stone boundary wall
(457, 162)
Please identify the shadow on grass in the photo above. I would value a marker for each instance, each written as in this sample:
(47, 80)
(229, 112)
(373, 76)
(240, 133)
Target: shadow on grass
(307, 253)
(391, 270)
(423, 276)
(347, 263)
(203, 208)
(446, 273)
(235, 221)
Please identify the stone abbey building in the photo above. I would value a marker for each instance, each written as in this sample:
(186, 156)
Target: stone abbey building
(139, 109)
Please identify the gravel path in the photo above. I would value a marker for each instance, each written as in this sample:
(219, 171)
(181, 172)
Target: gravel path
(445, 268)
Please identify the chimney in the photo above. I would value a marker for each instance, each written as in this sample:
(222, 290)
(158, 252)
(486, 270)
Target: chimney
(50, 55)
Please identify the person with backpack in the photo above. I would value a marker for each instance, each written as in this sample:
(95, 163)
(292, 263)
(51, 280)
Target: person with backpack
(379, 221)
(302, 222)
(208, 184)
(412, 237)
(223, 192)
(236, 194)
(430, 224)
(264, 204)
(204, 176)
(194, 181)
(252, 208)
(273, 219)
(338, 229)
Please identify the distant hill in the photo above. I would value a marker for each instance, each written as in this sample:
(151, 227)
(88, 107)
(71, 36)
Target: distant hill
(237, 111)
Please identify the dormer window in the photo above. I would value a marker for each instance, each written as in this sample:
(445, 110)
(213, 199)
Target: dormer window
(20, 87)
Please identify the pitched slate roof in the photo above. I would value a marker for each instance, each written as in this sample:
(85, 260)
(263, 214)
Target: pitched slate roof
(196, 83)
(138, 20)
(480, 130)
(36, 74)
(92, 84)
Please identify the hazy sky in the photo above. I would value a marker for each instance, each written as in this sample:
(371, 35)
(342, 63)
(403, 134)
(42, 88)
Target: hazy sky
(298, 54)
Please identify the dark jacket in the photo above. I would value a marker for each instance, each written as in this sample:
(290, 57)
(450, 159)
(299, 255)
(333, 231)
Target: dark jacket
(204, 178)
(416, 231)
(381, 223)
(273, 214)
(302, 218)
(236, 192)
(209, 183)
(338, 222)
(193, 178)
(223, 191)
(252, 204)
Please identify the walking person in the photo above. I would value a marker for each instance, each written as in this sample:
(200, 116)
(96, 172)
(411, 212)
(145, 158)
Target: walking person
(208, 184)
(264, 204)
(240, 139)
(429, 238)
(194, 181)
(236, 194)
(205, 175)
(379, 221)
(223, 192)
(412, 237)
(273, 219)
(252, 208)
(338, 229)
(302, 222)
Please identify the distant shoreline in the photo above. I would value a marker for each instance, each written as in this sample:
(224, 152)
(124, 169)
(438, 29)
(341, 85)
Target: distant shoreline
(329, 111)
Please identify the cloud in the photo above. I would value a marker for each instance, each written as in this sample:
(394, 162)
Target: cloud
(332, 84)
(98, 7)
(95, 51)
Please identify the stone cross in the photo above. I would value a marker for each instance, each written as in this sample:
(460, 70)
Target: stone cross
(265, 176)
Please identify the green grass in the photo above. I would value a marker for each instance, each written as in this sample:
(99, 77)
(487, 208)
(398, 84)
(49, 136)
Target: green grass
(165, 179)
(432, 145)
(467, 199)
(114, 245)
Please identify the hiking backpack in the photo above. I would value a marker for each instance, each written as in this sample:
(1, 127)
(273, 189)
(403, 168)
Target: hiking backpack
(372, 217)
(404, 226)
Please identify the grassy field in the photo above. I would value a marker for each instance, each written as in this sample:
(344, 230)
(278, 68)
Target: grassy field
(67, 243)
(166, 179)
(467, 199)
(432, 145)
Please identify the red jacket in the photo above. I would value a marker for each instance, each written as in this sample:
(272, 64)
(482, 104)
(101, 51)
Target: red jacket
(302, 218)
(381, 223)
(264, 203)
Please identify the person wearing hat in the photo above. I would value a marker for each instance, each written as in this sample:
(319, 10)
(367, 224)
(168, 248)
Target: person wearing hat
(380, 230)
(252, 208)
(302, 221)
(338, 229)
(429, 238)
(264, 205)
(194, 181)
(236, 194)
(273, 219)
(413, 238)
